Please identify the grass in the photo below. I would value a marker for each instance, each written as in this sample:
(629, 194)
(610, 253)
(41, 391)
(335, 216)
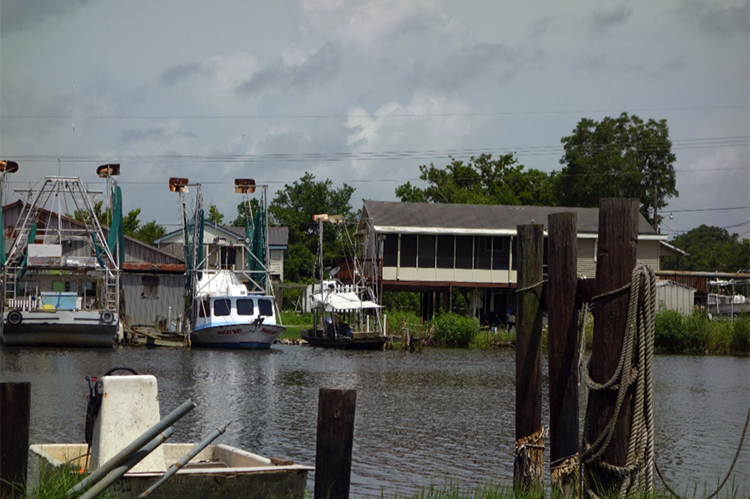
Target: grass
(54, 483)
(452, 490)
(292, 332)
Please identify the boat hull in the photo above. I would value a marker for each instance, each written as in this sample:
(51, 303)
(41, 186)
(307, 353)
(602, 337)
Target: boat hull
(60, 328)
(219, 471)
(357, 341)
(244, 336)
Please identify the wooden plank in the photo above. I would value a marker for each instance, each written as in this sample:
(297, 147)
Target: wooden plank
(563, 352)
(15, 415)
(528, 468)
(333, 450)
(616, 258)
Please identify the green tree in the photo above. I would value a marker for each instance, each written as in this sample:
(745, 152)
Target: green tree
(481, 180)
(130, 222)
(293, 207)
(618, 157)
(214, 215)
(244, 211)
(710, 249)
(150, 232)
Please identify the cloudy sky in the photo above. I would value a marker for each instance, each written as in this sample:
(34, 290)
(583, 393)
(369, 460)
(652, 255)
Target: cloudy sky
(363, 92)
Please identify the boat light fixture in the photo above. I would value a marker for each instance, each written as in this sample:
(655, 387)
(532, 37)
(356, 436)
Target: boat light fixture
(178, 184)
(8, 166)
(108, 170)
(244, 185)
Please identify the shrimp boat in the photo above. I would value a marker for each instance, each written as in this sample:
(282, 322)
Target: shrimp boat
(345, 315)
(61, 274)
(230, 304)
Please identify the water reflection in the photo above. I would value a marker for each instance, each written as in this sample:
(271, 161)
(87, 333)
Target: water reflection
(419, 419)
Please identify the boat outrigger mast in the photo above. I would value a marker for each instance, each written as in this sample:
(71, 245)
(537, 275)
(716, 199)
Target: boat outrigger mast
(247, 259)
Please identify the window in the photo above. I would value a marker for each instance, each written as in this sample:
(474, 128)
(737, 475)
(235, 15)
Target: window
(408, 250)
(500, 252)
(227, 257)
(222, 307)
(265, 308)
(464, 251)
(426, 252)
(482, 254)
(390, 250)
(445, 252)
(150, 286)
(245, 306)
(204, 308)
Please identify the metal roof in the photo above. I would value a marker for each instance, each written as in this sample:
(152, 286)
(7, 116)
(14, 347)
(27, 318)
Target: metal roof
(473, 218)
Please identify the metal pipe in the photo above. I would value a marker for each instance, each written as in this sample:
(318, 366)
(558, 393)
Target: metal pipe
(134, 447)
(131, 461)
(185, 459)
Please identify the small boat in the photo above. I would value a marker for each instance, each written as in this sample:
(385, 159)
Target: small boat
(61, 274)
(345, 316)
(229, 299)
(219, 472)
(127, 406)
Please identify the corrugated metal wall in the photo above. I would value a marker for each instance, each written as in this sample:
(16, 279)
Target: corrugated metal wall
(674, 296)
(586, 263)
(146, 311)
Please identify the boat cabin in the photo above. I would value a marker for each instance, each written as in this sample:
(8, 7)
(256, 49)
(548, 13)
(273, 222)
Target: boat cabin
(235, 309)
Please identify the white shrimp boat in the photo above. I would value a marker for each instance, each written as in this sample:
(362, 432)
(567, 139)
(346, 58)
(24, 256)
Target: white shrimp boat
(229, 299)
(60, 274)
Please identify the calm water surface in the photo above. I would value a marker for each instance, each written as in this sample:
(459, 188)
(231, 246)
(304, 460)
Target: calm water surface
(419, 418)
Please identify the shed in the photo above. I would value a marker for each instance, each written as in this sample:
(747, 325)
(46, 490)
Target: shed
(675, 296)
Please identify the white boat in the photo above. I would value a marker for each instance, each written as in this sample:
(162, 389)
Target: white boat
(228, 317)
(345, 316)
(129, 407)
(61, 274)
(230, 305)
(219, 472)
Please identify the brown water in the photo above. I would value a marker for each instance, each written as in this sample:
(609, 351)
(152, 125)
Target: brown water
(420, 418)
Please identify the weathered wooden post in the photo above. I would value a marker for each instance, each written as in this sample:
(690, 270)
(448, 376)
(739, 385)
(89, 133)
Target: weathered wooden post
(333, 450)
(528, 466)
(563, 351)
(616, 258)
(15, 412)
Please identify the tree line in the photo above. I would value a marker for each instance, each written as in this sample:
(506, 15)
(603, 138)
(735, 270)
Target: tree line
(623, 156)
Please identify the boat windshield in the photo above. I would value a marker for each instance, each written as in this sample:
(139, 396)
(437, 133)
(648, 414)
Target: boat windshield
(222, 307)
(265, 307)
(245, 306)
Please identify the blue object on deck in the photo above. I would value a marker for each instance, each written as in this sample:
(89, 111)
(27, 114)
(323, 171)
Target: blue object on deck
(61, 300)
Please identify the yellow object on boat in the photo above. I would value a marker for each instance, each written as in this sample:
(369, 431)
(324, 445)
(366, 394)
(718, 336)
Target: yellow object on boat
(47, 307)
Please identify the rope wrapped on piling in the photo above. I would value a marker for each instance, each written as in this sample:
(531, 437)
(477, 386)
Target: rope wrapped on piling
(529, 460)
(634, 369)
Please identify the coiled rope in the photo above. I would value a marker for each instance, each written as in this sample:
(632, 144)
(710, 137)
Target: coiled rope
(634, 368)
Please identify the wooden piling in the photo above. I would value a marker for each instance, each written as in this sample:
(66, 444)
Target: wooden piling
(528, 466)
(563, 351)
(333, 450)
(616, 258)
(15, 412)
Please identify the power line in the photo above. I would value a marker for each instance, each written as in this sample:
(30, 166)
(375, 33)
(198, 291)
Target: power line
(641, 147)
(389, 115)
(709, 209)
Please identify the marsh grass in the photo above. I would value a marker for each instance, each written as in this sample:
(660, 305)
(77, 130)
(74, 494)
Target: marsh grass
(696, 334)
